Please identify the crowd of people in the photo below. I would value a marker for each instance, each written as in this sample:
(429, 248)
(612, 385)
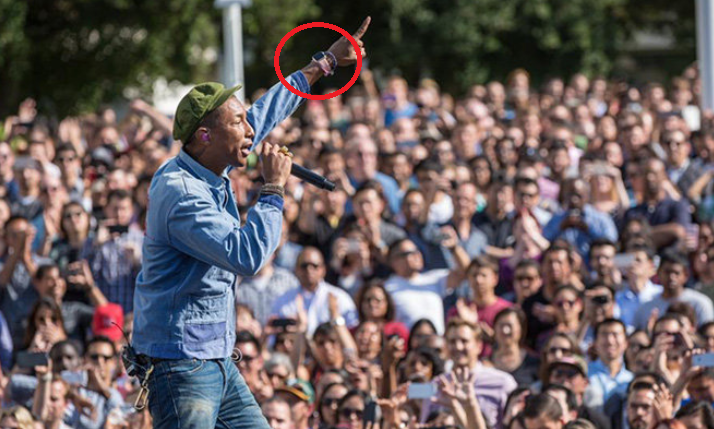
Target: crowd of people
(510, 258)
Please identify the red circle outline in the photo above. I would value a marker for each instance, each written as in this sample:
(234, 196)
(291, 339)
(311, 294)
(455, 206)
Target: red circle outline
(296, 30)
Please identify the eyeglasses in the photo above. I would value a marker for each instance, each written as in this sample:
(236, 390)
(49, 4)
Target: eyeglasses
(97, 356)
(306, 265)
(527, 194)
(349, 412)
(246, 359)
(277, 375)
(330, 402)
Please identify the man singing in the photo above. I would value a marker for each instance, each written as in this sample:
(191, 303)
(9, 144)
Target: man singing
(184, 317)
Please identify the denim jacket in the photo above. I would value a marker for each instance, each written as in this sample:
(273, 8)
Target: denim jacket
(195, 245)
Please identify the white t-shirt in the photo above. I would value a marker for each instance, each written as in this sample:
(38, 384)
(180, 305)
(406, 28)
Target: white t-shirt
(420, 297)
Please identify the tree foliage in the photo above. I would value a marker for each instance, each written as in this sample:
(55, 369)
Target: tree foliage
(72, 55)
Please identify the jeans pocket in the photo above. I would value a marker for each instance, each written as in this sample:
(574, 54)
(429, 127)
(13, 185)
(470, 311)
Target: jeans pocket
(184, 366)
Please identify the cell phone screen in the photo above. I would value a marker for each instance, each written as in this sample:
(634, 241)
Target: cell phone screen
(31, 360)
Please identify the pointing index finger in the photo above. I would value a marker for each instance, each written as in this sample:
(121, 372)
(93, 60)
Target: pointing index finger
(363, 28)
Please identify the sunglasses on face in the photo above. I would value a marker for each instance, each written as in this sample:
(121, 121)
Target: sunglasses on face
(565, 372)
(67, 158)
(406, 253)
(97, 356)
(565, 303)
(349, 412)
(247, 359)
(330, 402)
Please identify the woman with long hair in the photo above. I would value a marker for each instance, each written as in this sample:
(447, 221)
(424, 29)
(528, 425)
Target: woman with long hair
(374, 304)
(45, 326)
(607, 189)
(74, 236)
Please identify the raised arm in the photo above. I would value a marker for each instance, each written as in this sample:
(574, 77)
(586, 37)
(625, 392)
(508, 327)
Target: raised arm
(279, 103)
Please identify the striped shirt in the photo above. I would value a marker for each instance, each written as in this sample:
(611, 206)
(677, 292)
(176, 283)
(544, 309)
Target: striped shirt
(115, 268)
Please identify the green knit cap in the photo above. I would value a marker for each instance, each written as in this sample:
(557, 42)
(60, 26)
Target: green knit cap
(196, 105)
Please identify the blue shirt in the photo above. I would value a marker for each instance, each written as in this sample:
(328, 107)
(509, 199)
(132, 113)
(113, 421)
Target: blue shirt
(184, 303)
(629, 302)
(599, 225)
(600, 378)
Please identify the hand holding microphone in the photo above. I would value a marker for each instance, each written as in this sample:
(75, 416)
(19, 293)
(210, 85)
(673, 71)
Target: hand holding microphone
(277, 160)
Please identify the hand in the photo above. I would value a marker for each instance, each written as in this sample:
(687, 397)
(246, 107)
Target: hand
(688, 368)
(467, 312)
(81, 274)
(393, 351)
(70, 130)
(84, 405)
(343, 50)
(459, 388)
(544, 313)
(663, 403)
(138, 105)
(95, 381)
(451, 238)
(276, 164)
(53, 334)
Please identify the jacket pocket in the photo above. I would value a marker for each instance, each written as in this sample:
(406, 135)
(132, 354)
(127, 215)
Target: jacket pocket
(206, 320)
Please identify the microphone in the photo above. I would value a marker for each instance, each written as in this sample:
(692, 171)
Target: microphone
(311, 177)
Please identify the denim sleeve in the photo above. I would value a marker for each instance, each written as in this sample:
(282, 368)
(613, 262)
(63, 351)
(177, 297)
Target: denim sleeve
(276, 105)
(198, 228)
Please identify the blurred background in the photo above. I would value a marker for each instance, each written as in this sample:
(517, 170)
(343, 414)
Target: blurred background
(72, 56)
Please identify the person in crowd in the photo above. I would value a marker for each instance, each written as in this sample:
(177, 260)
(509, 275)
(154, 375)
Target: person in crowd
(673, 273)
(607, 373)
(277, 412)
(572, 373)
(638, 287)
(260, 292)
(541, 411)
(413, 291)
(509, 352)
(116, 255)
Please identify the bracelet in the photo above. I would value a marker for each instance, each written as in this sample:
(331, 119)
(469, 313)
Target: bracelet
(271, 189)
(332, 59)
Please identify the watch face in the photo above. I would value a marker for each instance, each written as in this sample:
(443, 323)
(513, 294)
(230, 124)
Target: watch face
(318, 56)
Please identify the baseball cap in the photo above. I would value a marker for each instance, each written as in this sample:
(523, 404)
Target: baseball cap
(102, 321)
(301, 389)
(201, 100)
(575, 361)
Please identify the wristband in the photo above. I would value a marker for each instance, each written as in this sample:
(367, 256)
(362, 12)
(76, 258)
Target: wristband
(323, 61)
(270, 189)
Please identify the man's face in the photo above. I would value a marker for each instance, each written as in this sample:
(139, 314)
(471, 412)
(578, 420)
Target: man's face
(231, 137)
(362, 159)
(602, 304)
(576, 194)
(278, 415)
(102, 356)
(569, 377)
(52, 285)
(654, 177)
(463, 347)
(407, 259)
(413, 206)
(701, 389)
(557, 267)
(527, 281)
(677, 147)
(251, 361)
(465, 200)
(65, 358)
(58, 400)
(310, 268)
(368, 205)
(543, 423)
(640, 409)
(642, 266)
(611, 342)
(28, 178)
(68, 163)
(6, 157)
(603, 260)
(673, 277)
(328, 352)
(120, 210)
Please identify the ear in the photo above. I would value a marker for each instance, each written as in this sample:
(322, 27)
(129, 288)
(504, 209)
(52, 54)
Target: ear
(203, 135)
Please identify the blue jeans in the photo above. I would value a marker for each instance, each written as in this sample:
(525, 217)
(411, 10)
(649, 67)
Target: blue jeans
(195, 393)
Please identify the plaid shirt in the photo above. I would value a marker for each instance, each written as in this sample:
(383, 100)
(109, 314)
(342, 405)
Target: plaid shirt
(115, 269)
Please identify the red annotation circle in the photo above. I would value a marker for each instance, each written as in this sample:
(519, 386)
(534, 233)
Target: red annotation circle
(321, 25)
